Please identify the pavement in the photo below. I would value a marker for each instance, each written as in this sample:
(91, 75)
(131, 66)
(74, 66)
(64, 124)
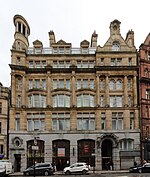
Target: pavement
(90, 172)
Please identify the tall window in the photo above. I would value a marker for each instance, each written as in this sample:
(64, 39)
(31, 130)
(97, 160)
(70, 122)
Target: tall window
(129, 100)
(61, 121)
(0, 127)
(147, 94)
(19, 101)
(37, 83)
(19, 84)
(86, 100)
(30, 84)
(146, 72)
(103, 120)
(37, 64)
(148, 56)
(112, 85)
(115, 101)
(102, 84)
(31, 64)
(17, 122)
(117, 121)
(43, 84)
(36, 121)
(129, 84)
(86, 121)
(61, 101)
(131, 120)
(37, 101)
(0, 107)
(102, 101)
(130, 61)
(61, 84)
(126, 144)
(1, 149)
(119, 84)
(85, 83)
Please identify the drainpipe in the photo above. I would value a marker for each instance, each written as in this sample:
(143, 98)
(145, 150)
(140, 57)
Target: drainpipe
(8, 107)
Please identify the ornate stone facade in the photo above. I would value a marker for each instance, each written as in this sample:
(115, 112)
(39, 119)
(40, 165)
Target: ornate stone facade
(80, 103)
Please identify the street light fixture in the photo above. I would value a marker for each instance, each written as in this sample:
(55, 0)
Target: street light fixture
(34, 148)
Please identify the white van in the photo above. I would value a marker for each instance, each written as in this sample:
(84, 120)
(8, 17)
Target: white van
(5, 167)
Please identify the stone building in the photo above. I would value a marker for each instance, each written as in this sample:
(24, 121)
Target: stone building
(74, 104)
(144, 92)
(4, 115)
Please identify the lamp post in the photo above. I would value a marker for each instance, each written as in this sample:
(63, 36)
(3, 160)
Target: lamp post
(34, 148)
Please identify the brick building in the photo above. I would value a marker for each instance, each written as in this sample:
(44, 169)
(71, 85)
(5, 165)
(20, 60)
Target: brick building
(144, 92)
(79, 104)
(4, 115)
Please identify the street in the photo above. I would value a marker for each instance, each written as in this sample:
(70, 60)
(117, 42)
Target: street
(117, 174)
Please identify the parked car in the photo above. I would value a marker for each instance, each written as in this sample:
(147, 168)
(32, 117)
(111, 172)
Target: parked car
(79, 167)
(145, 168)
(5, 167)
(40, 169)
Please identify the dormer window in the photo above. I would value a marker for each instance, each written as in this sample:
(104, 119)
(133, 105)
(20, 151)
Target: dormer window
(115, 46)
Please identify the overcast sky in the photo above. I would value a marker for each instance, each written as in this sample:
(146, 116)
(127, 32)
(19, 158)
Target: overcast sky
(72, 21)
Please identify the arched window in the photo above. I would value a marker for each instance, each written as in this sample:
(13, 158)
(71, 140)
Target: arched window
(119, 84)
(112, 85)
(115, 46)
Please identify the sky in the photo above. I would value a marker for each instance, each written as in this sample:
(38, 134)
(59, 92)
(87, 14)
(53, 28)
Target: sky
(72, 21)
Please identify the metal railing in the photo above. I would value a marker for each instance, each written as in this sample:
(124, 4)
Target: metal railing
(32, 51)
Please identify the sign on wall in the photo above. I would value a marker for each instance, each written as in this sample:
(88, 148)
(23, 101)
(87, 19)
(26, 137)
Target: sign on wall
(61, 152)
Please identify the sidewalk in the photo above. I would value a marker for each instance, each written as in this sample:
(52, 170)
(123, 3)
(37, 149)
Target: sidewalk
(90, 172)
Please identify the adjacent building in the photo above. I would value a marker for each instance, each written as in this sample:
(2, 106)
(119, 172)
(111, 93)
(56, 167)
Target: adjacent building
(4, 116)
(74, 104)
(144, 92)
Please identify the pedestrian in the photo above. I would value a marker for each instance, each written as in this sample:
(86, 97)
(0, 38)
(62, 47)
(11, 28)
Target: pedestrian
(135, 163)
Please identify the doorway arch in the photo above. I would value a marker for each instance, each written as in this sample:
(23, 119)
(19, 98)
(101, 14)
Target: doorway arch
(106, 151)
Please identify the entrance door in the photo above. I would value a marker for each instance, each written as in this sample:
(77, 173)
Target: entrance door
(17, 164)
(106, 154)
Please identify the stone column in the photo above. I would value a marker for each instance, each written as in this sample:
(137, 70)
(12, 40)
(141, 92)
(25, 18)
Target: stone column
(136, 119)
(13, 87)
(107, 92)
(126, 119)
(108, 120)
(125, 87)
(73, 102)
(49, 86)
(135, 91)
(24, 85)
(97, 91)
(97, 119)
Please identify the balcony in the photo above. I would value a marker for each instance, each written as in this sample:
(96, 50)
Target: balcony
(32, 51)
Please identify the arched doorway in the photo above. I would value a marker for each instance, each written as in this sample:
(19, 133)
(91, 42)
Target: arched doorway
(39, 154)
(106, 154)
(86, 151)
(61, 153)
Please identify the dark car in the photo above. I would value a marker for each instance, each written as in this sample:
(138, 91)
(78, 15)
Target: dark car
(40, 169)
(140, 168)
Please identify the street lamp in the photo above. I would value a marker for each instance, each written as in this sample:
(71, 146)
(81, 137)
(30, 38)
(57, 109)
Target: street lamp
(34, 148)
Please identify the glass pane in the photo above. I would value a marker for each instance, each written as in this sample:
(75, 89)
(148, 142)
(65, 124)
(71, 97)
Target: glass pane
(79, 124)
(54, 124)
(30, 125)
(61, 124)
(92, 124)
